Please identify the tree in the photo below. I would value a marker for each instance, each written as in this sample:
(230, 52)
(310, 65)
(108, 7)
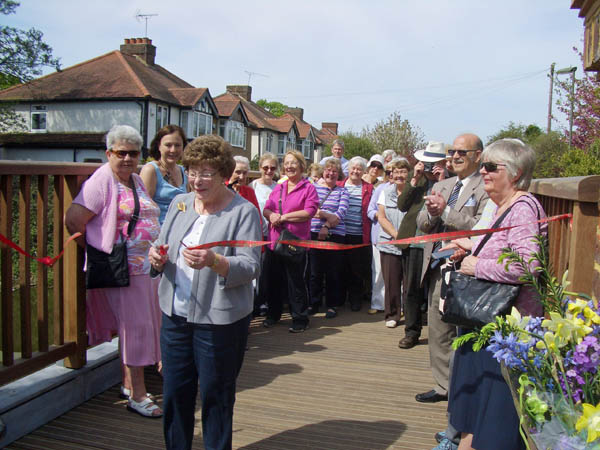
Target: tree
(527, 134)
(578, 162)
(23, 54)
(276, 108)
(354, 145)
(586, 106)
(396, 134)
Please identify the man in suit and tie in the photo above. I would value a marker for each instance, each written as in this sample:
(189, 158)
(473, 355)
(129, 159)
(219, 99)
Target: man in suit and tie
(454, 204)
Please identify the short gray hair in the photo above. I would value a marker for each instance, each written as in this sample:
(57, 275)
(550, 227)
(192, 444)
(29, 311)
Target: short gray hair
(518, 157)
(123, 133)
(387, 153)
(242, 160)
(358, 160)
(338, 142)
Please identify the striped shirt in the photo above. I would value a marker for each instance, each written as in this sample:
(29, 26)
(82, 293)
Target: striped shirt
(353, 219)
(336, 203)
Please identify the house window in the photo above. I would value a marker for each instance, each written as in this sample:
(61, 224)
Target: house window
(162, 117)
(184, 118)
(281, 144)
(307, 148)
(233, 132)
(38, 118)
(269, 142)
(202, 124)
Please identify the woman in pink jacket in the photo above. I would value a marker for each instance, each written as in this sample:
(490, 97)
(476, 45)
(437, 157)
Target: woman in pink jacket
(291, 205)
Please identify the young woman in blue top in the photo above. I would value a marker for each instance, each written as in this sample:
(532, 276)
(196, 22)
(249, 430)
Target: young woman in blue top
(164, 178)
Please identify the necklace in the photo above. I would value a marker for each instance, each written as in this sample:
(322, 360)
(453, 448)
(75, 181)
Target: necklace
(167, 176)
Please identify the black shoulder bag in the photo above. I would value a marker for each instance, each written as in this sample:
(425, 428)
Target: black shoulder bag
(472, 302)
(111, 270)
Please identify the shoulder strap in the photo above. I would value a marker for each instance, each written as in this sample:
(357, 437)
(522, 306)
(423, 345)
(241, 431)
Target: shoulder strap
(136, 210)
(498, 222)
(280, 194)
(328, 194)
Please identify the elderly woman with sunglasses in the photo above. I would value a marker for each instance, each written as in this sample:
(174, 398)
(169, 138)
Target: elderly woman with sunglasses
(205, 296)
(480, 403)
(102, 211)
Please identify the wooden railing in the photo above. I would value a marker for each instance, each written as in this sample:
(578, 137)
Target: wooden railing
(572, 246)
(43, 319)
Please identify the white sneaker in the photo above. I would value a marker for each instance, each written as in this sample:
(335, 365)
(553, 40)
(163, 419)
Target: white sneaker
(391, 323)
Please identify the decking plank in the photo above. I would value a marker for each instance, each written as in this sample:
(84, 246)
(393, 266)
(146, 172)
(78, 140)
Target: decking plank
(343, 384)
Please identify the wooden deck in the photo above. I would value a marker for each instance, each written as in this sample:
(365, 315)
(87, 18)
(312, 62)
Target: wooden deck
(343, 384)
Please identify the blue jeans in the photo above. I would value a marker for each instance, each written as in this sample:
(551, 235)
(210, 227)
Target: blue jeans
(208, 357)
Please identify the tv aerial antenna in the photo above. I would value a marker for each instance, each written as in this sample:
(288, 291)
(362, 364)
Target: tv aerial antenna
(251, 74)
(139, 17)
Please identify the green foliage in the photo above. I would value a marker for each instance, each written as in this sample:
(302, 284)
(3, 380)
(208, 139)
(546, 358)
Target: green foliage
(549, 147)
(395, 133)
(254, 163)
(354, 145)
(577, 162)
(276, 108)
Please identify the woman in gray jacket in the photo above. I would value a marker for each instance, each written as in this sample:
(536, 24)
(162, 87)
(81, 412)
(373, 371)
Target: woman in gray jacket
(205, 296)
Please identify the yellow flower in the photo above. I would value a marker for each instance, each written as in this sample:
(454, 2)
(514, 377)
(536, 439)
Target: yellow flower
(551, 341)
(568, 329)
(590, 420)
(515, 320)
(181, 206)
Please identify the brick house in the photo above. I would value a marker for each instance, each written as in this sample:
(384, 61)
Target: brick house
(68, 112)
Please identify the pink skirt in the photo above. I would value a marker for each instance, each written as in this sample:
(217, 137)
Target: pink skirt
(132, 312)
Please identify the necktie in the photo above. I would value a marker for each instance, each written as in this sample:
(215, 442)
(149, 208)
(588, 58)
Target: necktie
(451, 202)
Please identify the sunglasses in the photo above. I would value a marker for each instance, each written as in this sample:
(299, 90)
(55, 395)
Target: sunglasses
(452, 151)
(376, 165)
(388, 172)
(491, 167)
(121, 154)
(266, 168)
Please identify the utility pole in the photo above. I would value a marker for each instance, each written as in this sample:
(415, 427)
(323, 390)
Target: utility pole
(549, 127)
(572, 71)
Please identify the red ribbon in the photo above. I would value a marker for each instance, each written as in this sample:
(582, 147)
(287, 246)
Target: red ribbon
(46, 260)
(321, 245)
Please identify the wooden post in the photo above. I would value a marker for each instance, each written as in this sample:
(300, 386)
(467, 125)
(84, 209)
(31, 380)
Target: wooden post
(74, 288)
(58, 238)
(6, 276)
(42, 270)
(581, 255)
(25, 265)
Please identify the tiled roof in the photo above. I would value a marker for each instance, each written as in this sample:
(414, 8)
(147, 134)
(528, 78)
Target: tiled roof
(226, 105)
(188, 96)
(303, 127)
(111, 76)
(282, 124)
(326, 136)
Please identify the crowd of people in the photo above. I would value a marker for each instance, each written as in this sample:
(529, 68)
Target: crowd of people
(187, 308)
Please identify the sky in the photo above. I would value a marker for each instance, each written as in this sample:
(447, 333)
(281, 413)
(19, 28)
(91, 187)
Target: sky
(447, 66)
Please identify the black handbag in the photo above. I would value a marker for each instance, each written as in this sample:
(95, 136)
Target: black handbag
(290, 253)
(472, 302)
(109, 270)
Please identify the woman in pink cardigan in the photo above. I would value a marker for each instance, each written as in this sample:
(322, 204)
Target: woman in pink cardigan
(102, 211)
(480, 405)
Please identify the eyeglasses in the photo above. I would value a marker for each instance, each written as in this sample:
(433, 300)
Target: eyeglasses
(388, 172)
(202, 175)
(452, 151)
(267, 168)
(491, 166)
(121, 154)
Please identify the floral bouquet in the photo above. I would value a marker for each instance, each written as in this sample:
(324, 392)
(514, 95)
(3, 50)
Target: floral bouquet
(551, 363)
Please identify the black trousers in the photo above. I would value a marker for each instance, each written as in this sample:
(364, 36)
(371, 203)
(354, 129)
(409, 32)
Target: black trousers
(286, 280)
(357, 282)
(326, 265)
(414, 297)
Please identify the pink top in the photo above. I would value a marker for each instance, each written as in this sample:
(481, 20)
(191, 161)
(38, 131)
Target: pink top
(146, 229)
(304, 196)
(99, 194)
(524, 211)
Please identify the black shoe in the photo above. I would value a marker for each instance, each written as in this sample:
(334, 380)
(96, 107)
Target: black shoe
(431, 397)
(440, 436)
(355, 307)
(298, 327)
(331, 313)
(408, 342)
(312, 310)
(268, 323)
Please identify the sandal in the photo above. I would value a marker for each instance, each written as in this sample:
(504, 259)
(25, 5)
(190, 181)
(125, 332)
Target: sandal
(125, 393)
(144, 408)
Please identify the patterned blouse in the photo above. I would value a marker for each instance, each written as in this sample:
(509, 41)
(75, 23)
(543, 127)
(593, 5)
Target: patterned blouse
(336, 203)
(146, 229)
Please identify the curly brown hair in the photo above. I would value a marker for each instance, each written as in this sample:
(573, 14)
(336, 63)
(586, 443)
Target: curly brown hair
(164, 131)
(212, 150)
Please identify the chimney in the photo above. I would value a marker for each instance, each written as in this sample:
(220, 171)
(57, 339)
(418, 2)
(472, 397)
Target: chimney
(298, 112)
(331, 126)
(142, 48)
(243, 91)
